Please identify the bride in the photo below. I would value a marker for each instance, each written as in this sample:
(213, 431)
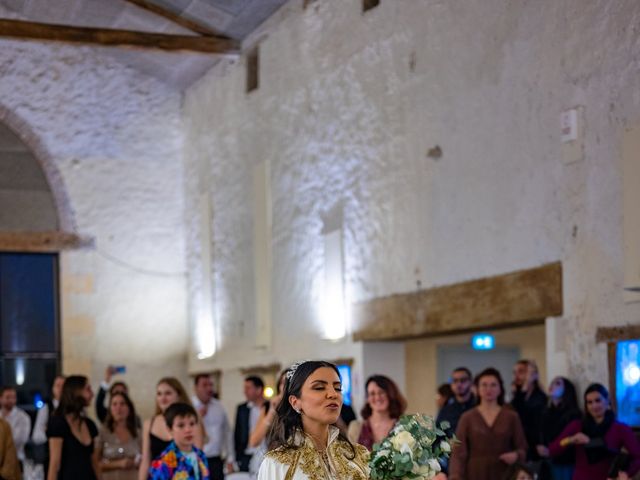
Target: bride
(304, 443)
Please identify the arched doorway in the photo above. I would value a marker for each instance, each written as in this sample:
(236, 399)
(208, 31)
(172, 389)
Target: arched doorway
(29, 293)
(26, 199)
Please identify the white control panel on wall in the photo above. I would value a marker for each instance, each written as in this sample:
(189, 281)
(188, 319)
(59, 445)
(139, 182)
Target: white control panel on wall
(572, 134)
(569, 125)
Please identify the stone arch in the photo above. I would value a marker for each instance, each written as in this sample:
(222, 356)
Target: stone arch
(24, 131)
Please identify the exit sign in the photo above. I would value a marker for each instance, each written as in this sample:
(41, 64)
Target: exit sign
(483, 341)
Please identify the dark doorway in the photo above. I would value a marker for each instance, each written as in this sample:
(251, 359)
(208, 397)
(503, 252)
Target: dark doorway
(29, 325)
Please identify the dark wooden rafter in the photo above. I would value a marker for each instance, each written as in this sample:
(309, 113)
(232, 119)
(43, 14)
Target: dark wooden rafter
(611, 336)
(617, 334)
(112, 37)
(261, 369)
(177, 19)
(42, 242)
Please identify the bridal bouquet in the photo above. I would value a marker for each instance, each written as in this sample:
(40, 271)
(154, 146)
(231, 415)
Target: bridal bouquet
(412, 450)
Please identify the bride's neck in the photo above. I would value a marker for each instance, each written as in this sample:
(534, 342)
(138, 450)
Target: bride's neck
(318, 432)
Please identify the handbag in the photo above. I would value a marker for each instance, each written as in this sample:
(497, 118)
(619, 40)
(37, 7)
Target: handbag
(38, 453)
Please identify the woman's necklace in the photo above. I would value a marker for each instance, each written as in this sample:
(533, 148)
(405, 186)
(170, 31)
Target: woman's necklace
(325, 460)
(322, 452)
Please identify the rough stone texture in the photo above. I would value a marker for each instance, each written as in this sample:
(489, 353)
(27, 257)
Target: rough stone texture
(27, 203)
(349, 106)
(110, 143)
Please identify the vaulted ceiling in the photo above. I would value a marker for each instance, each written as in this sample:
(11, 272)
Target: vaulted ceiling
(234, 19)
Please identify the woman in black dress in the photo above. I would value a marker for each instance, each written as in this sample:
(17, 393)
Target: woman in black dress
(562, 409)
(71, 435)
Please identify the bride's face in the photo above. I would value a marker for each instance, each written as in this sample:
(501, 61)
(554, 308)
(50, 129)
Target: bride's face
(320, 399)
(377, 398)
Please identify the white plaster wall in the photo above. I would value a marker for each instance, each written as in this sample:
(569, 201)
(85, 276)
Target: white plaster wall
(347, 108)
(115, 138)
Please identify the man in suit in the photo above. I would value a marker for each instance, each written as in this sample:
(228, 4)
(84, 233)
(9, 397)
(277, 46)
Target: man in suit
(246, 419)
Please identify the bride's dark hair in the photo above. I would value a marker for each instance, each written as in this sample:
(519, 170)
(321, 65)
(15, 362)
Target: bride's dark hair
(287, 421)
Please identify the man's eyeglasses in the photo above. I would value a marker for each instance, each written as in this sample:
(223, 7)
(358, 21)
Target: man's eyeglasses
(460, 380)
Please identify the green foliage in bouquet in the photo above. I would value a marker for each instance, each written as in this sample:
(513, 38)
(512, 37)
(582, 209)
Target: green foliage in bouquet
(412, 450)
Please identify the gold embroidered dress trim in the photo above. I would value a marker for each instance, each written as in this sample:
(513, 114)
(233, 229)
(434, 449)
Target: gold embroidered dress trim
(335, 465)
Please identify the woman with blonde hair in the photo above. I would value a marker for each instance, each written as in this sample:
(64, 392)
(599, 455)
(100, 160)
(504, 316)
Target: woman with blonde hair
(155, 433)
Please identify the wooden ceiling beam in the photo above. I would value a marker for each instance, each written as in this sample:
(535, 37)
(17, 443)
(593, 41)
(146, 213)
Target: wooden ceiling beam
(177, 19)
(520, 298)
(42, 242)
(617, 334)
(115, 38)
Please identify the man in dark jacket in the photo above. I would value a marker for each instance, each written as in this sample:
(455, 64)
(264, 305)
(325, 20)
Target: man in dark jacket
(246, 419)
(461, 401)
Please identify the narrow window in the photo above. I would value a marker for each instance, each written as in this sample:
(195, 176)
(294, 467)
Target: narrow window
(253, 70)
(369, 4)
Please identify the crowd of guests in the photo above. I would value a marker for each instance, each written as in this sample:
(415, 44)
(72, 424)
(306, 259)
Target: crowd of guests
(542, 435)
(306, 428)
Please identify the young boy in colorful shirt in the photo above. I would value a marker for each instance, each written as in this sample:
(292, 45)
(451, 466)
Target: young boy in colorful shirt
(181, 460)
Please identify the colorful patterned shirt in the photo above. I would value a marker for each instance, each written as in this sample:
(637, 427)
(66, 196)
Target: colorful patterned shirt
(174, 464)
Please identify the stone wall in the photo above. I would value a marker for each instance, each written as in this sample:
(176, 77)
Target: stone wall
(348, 109)
(110, 142)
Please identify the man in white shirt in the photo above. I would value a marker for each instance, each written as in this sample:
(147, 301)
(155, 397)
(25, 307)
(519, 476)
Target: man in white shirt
(216, 425)
(39, 434)
(16, 417)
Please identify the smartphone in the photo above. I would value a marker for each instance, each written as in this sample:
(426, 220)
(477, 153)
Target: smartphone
(620, 463)
(119, 369)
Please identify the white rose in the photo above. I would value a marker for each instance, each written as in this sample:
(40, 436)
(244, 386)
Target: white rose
(384, 453)
(445, 447)
(434, 465)
(403, 442)
(426, 422)
(422, 470)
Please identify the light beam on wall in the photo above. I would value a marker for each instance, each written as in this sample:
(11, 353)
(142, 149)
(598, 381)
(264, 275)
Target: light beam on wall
(205, 332)
(19, 371)
(333, 311)
(205, 336)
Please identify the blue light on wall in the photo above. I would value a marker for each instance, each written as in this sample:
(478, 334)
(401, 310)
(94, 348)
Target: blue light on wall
(628, 382)
(483, 341)
(345, 376)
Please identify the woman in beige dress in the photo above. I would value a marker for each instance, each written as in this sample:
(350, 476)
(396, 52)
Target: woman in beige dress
(119, 442)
